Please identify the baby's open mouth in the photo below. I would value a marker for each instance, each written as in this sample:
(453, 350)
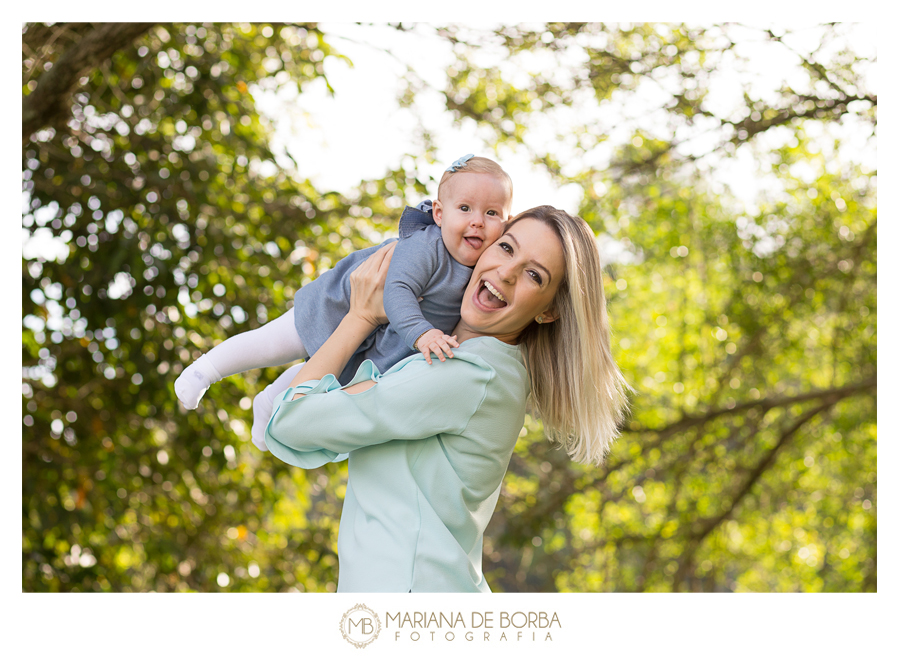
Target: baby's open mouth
(474, 242)
(489, 296)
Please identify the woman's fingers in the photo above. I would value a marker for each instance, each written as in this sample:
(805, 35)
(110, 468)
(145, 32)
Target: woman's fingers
(385, 253)
(376, 264)
(367, 285)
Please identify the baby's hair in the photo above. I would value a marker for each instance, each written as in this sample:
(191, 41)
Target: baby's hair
(576, 387)
(479, 165)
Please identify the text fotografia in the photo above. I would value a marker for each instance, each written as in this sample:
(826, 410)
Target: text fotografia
(477, 626)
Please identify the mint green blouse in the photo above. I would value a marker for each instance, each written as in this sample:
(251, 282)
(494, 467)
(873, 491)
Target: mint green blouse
(428, 447)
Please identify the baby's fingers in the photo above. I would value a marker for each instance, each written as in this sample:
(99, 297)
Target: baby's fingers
(442, 345)
(436, 348)
(433, 347)
(447, 342)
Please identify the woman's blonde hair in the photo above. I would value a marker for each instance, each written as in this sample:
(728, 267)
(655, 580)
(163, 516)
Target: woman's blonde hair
(576, 387)
(479, 165)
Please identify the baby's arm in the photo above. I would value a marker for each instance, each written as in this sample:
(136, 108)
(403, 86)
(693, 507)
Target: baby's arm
(414, 264)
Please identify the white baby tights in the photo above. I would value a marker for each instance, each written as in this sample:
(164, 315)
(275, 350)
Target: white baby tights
(273, 344)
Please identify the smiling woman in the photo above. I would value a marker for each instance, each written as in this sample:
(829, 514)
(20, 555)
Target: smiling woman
(429, 444)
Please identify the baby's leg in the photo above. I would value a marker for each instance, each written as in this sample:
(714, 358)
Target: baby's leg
(273, 344)
(264, 402)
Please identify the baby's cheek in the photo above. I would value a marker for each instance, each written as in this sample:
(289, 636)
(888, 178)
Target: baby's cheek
(494, 231)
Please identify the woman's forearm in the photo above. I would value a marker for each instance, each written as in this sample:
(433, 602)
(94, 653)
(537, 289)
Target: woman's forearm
(334, 355)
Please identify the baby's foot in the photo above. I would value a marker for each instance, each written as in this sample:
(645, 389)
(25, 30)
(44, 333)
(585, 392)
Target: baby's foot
(262, 413)
(194, 382)
(264, 403)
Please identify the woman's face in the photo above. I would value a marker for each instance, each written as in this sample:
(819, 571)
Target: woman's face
(514, 281)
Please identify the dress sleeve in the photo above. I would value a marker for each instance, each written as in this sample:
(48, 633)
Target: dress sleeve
(413, 264)
(412, 401)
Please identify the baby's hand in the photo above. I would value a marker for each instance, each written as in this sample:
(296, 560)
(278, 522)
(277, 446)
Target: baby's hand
(435, 340)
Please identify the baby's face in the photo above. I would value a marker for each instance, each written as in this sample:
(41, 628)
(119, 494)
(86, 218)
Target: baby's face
(472, 214)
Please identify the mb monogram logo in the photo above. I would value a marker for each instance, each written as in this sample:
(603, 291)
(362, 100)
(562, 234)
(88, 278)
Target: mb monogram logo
(360, 626)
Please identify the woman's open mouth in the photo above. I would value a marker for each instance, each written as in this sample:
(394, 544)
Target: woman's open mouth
(489, 296)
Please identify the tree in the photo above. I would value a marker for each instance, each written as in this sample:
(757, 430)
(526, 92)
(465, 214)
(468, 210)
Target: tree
(179, 228)
(747, 332)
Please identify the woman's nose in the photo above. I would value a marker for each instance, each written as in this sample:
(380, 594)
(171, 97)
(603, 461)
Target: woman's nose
(507, 273)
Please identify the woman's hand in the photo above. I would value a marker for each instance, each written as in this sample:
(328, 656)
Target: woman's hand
(366, 313)
(367, 286)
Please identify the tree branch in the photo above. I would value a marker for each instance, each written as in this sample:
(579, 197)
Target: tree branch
(47, 104)
(761, 468)
(765, 404)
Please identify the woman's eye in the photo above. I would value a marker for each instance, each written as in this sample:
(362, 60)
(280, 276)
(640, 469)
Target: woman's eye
(505, 246)
(537, 277)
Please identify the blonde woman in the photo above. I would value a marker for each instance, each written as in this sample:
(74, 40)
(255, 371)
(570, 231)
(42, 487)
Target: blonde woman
(429, 444)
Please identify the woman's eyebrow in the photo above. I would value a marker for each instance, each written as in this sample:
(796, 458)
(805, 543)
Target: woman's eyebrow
(546, 271)
(532, 260)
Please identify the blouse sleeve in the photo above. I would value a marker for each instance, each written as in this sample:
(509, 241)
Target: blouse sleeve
(412, 401)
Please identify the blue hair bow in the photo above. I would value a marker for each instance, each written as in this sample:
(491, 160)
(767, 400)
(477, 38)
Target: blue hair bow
(459, 164)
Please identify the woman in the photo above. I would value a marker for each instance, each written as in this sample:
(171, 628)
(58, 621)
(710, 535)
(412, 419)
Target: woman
(429, 444)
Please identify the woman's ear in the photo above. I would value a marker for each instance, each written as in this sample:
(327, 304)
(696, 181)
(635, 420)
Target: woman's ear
(437, 211)
(550, 315)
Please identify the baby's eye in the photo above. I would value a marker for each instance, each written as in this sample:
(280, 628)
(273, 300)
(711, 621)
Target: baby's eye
(464, 208)
(492, 213)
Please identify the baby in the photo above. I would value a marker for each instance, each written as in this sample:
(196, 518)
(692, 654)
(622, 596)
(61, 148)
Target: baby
(429, 271)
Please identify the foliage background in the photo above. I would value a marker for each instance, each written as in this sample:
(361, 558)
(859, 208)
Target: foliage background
(748, 329)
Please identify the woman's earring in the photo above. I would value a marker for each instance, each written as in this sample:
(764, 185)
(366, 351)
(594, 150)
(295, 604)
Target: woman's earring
(539, 319)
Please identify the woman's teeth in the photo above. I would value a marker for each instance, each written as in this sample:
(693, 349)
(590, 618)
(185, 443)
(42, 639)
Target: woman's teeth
(490, 297)
(494, 291)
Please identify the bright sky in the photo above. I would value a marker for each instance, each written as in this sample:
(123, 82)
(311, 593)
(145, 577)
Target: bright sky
(361, 132)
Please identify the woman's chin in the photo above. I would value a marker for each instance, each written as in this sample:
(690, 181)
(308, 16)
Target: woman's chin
(484, 321)
(478, 317)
